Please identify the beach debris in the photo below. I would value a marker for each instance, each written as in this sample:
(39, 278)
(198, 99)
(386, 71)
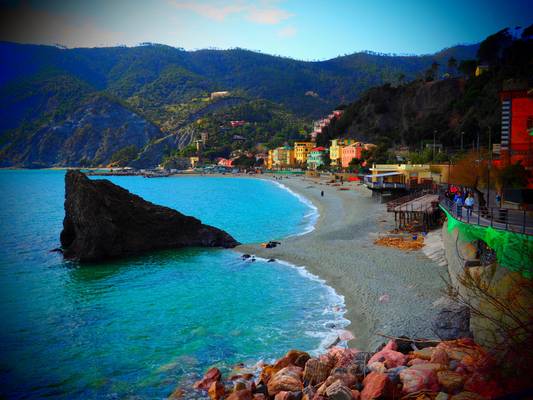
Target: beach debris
(245, 256)
(401, 243)
(270, 245)
(271, 260)
(456, 369)
(385, 298)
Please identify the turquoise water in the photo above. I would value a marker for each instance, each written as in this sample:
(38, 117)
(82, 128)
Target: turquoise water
(137, 328)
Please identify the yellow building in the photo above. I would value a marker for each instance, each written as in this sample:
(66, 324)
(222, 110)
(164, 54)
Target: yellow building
(301, 150)
(404, 176)
(283, 157)
(335, 150)
(270, 158)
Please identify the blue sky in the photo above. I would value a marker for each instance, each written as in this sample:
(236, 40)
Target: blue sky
(307, 30)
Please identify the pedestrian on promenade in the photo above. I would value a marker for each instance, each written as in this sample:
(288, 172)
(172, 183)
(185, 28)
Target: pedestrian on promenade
(469, 203)
(459, 207)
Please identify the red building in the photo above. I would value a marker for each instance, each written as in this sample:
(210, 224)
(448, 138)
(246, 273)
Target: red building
(517, 128)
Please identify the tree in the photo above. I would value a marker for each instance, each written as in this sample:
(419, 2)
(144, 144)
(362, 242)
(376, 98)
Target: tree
(471, 171)
(124, 156)
(511, 176)
(452, 65)
(326, 161)
(401, 78)
(491, 49)
(468, 67)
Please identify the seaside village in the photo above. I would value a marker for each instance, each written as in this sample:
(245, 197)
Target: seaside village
(488, 246)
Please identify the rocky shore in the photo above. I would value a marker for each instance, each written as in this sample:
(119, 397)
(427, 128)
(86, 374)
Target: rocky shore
(401, 369)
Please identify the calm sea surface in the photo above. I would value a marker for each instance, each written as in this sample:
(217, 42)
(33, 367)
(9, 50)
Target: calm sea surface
(138, 327)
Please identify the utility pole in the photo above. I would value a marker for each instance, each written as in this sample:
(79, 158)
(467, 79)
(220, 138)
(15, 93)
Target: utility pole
(488, 168)
(434, 134)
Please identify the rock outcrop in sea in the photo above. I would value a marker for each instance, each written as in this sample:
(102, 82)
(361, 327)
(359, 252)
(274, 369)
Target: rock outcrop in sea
(103, 220)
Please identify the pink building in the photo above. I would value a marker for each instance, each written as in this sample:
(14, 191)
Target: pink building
(353, 151)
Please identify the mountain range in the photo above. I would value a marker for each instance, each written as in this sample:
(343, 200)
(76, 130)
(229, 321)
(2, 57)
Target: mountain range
(72, 107)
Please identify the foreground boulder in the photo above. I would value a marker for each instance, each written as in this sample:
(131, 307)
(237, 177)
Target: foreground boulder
(103, 220)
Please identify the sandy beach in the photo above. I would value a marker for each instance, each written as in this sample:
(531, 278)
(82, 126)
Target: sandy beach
(386, 290)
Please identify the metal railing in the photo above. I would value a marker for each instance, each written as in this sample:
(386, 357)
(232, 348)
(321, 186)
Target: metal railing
(500, 218)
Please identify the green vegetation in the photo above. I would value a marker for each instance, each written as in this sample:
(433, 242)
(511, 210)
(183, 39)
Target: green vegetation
(124, 156)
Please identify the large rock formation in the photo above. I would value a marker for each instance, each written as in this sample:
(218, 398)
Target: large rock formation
(103, 220)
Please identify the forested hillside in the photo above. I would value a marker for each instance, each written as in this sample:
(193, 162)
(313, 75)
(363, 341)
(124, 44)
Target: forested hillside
(44, 91)
(447, 108)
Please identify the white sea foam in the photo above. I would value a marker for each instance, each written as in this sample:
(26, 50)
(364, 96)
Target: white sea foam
(334, 311)
(311, 217)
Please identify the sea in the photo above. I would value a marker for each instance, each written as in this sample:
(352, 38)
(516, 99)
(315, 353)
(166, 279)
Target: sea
(142, 326)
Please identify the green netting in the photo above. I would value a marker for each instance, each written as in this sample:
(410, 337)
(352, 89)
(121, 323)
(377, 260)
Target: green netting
(514, 251)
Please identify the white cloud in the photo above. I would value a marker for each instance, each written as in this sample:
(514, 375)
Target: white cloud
(288, 31)
(266, 13)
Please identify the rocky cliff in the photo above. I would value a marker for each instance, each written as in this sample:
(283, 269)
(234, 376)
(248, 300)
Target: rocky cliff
(103, 220)
(91, 134)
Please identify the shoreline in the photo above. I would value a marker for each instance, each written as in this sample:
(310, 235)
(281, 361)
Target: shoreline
(340, 251)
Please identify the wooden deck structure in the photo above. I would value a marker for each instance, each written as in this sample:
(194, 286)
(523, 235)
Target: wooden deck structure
(424, 209)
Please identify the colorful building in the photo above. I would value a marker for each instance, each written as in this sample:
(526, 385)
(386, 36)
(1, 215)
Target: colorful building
(283, 157)
(270, 159)
(402, 176)
(517, 128)
(301, 150)
(348, 153)
(335, 150)
(315, 157)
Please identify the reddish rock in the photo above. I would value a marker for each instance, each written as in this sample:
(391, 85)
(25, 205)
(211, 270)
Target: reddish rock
(377, 367)
(267, 372)
(342, 357)
(429, 367)
(375, 386)
(356, 395)
(439, 356)
(287, 379)
(259, 396)
(212, 375)
(293, 357)
(389, 356)
(416, 361)
(424, 354)
(283, 395)
(467, 396)
(414, 380)
(176, 394)
(316, 371)
(450, 381)
(480, 384)
(244, 394)
(216, 390)
(338, 391)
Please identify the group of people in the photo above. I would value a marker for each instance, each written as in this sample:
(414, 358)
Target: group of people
(461, 199)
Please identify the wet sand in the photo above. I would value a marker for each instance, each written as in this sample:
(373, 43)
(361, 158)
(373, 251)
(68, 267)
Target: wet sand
(386, 290)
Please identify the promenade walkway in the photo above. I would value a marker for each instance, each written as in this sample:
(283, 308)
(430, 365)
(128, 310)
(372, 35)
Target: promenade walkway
(517, 221)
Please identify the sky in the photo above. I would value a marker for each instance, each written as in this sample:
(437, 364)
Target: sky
(301, 29)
